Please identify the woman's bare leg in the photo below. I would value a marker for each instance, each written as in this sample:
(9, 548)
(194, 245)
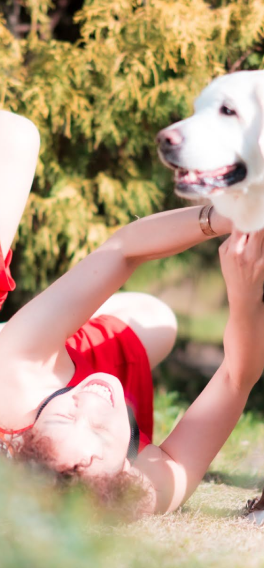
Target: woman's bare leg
(151, 319)
(19, 146)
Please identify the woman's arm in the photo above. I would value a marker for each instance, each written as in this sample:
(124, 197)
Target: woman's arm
(242, 260)
(169, 233)
(176, 468)
(46, 322)
(19, 146)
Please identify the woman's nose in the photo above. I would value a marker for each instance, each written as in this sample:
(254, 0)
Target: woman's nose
(85, 400)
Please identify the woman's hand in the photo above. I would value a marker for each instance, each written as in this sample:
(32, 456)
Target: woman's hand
(242, 262)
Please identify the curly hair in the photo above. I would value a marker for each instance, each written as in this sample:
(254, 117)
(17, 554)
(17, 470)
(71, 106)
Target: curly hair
(124, 494)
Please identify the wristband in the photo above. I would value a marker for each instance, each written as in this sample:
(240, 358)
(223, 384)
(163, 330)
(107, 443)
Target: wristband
(204, 221)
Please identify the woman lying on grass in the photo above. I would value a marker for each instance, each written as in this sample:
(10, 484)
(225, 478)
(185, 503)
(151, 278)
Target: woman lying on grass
(67, 380)
(75, 387)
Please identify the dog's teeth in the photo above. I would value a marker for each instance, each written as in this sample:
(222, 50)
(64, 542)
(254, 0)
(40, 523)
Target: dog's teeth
(192, 176)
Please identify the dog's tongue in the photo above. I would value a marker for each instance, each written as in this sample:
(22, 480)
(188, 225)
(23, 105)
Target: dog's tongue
(215, 173)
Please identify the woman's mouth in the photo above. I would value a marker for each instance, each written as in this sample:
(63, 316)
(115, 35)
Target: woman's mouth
(207, 182)
(102, 389)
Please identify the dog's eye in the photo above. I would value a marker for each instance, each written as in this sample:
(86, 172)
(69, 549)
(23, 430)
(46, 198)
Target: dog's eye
(227, 111)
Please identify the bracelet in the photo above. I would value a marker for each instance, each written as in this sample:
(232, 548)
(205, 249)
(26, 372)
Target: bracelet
(204, 221)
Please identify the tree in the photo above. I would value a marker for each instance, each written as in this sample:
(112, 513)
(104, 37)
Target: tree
(99, 78)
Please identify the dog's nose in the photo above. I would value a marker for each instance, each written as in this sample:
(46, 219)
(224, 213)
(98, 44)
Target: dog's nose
(167, 137)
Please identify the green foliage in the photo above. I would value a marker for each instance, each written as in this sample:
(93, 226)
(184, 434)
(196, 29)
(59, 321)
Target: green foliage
(99, 100)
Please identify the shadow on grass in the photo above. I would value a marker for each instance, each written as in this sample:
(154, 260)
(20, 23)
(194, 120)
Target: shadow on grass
(245, 481)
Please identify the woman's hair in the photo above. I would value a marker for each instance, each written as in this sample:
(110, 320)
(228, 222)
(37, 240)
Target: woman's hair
(123, 494)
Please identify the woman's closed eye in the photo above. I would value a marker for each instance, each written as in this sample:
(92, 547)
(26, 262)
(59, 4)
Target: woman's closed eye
(98, 425)
(58, 419)
(101, 430)
(66, 417)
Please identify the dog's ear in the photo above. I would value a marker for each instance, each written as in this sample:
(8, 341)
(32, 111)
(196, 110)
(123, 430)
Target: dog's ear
(260, 99)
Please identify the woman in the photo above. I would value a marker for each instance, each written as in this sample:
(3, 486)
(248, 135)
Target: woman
(57, 385)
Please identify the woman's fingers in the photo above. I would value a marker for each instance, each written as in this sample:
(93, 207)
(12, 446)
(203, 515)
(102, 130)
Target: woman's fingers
(256, 244)
(249, 246)
(242, 264)
(224, 246)
(238, 240)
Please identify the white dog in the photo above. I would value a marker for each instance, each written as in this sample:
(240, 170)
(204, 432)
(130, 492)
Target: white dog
(218, 153)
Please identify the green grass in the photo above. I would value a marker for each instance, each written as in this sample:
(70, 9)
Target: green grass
(40, 527)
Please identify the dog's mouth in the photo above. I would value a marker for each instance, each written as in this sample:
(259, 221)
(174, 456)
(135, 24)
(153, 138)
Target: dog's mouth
(195, 182)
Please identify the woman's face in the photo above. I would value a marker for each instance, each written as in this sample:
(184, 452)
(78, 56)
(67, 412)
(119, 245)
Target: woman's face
(88, 426)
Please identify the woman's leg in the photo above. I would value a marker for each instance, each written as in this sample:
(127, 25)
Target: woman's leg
(19, 146)
(153, 321)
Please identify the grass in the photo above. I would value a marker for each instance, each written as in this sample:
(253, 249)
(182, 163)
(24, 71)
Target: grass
(41, 527)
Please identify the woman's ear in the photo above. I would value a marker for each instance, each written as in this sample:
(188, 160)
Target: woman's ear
(126, 466)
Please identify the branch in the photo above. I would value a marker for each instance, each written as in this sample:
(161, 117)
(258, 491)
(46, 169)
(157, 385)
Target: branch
(238, 62)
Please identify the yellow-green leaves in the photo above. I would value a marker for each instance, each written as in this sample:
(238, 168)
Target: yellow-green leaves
(99, 100)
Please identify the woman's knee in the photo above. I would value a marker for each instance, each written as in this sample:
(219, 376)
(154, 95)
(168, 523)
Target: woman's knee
(150, 318)
(157, 328)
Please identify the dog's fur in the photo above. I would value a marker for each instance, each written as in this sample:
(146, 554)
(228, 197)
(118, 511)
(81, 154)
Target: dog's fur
(218, 153)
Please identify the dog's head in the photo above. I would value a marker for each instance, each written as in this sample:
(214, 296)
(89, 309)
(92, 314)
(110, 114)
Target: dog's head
(218, 153)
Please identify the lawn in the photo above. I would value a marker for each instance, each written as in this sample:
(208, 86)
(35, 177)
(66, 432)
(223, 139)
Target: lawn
(40, 527)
